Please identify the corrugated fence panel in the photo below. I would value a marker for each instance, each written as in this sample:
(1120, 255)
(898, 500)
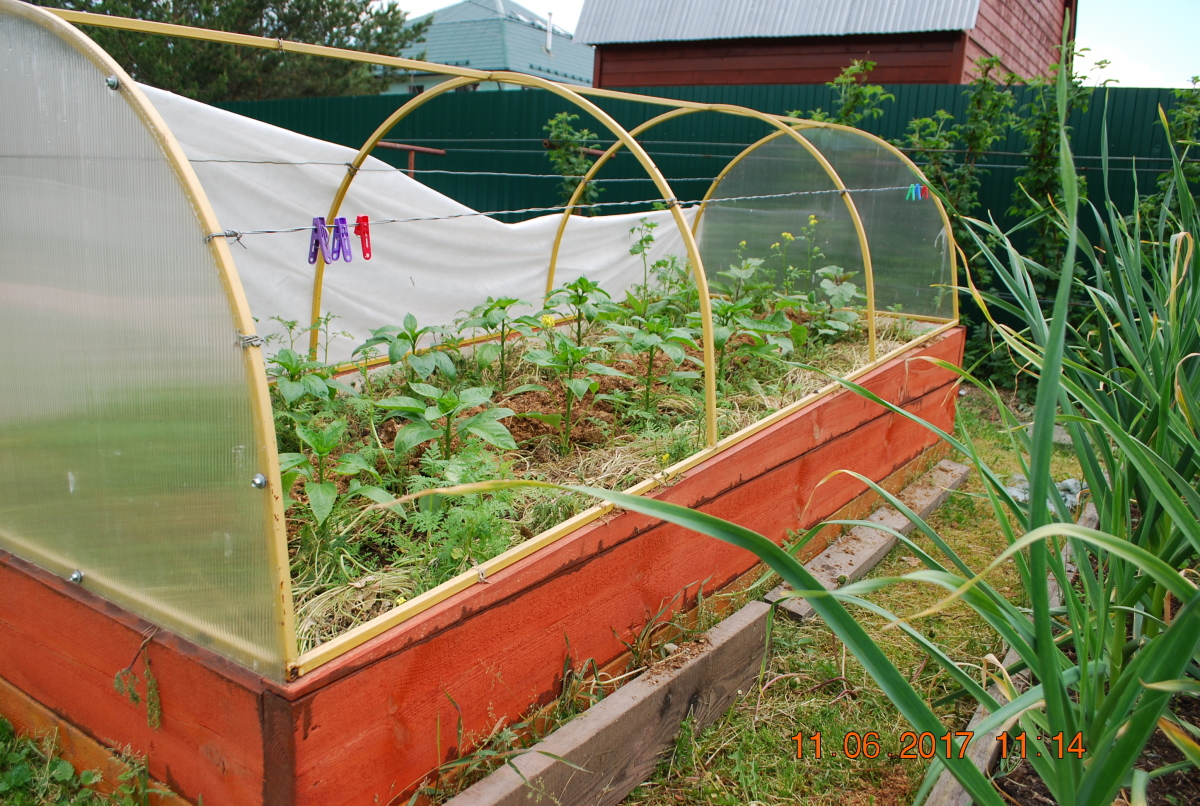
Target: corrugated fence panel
(502, 132)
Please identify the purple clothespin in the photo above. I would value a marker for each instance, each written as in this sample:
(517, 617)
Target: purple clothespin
(319, 240)
(341, 240)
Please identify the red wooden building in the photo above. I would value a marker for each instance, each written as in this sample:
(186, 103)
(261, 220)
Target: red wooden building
(655, 43)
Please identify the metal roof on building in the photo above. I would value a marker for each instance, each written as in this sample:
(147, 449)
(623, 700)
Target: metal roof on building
(607, 21)
(502, 35)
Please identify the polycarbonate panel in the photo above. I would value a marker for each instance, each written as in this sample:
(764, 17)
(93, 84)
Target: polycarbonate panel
(779, 188)
(127, 440)
(910, 252)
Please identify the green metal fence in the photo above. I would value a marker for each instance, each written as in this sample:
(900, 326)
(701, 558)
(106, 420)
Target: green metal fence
(496, 161)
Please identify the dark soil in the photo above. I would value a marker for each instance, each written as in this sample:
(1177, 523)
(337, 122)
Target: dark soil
(1024, 788)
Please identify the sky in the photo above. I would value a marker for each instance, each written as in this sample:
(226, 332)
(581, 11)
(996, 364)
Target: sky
(1149, 43)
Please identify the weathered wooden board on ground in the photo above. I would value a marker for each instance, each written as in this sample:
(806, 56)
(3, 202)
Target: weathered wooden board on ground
(858, 551)
(617, 741)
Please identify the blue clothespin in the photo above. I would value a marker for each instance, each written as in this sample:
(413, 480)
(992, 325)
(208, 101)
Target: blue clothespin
(341, 241)
(319, 240)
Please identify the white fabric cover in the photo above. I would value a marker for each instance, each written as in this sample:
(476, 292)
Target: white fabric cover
(261, 177)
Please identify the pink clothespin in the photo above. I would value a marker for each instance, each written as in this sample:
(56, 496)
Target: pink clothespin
(362, 228)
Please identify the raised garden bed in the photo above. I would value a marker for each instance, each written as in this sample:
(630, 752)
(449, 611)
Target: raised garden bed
(373, 722)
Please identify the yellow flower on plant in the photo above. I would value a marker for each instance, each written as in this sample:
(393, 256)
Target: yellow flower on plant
(547, 321)
(775, 245)
(787, 236)
(812, 220)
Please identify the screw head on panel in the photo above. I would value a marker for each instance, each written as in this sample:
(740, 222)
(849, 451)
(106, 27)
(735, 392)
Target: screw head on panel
(112, 82)
(259, 481)
(76, 577)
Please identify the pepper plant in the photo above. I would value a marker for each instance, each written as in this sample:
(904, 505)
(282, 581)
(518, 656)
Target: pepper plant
(585, 301)
(297, 377)
(648, 338)
(323, 495)
(495, 318)
(568, 363)
(403, 343)
(441, 418)
(771, 338)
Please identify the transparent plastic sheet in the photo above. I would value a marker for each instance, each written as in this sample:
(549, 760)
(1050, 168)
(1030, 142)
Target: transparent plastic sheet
(910, 251)
(802, 201)
(127, 439)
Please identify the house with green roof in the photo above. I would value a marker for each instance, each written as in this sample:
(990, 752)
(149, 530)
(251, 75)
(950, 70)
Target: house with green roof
(497, 35)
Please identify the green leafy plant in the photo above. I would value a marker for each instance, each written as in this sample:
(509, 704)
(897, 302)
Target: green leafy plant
(649, 338)
(643, 241)
(460, 532)
(442, 418)
(403, 345)
(568, 154)
(585, 301)
(812, 257)
(323, 495)
(840, 295)
(568, 365)
(743, 281)
(297, 378)
(31, 773)
(735, 330)
(494, 317)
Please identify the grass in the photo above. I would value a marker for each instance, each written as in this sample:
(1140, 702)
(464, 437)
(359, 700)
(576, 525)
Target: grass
(810, 684)
(32, 774)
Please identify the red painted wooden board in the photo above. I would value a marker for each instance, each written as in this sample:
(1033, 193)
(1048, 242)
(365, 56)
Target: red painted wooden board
(62, 646)
(371, 723)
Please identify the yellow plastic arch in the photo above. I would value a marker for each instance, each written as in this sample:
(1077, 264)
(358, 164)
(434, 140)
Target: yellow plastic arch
(783, 129)
(635, 148)
(587, 177)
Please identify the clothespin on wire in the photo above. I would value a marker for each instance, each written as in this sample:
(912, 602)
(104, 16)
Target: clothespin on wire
(319, 240)
(341, 240)
(362, 228)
